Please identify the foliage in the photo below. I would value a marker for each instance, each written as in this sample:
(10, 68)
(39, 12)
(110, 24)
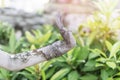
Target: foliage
(5, 30)
(96, 56)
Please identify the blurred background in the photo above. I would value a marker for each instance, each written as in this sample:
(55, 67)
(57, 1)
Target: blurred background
(74, 11)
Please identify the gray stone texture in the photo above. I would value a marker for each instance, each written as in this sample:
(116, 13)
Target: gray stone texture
(22, 20)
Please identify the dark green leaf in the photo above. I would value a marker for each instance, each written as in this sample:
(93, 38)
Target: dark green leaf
(50, 72)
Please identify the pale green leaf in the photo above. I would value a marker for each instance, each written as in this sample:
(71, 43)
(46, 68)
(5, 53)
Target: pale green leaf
(91, 38)
(32, 47)
(99, 65)
(12, 41)
(93, 55)
(98, 51)
(101, 59)
(109, 45)
(115, 49)
(44, 38)
(30, 37)
(111, 64)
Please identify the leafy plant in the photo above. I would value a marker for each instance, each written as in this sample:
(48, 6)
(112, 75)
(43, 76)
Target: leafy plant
(42, 37)
(13, 44)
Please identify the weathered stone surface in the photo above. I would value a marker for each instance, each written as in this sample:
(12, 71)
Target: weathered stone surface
(23, 20)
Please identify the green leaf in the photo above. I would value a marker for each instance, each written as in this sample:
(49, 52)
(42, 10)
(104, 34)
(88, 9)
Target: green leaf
(4, 48)
(83, 53)
(64, 78)
(99, 65)
(109, 45)
(46, 65)
(50, 72)
(32, 47)
(115, 49)
(90, 65)
(12, 41)
(76, 52)
(37, 33)
(104, 75)
(93, 55)
(91, 38)
(30, 37)
(4, 73)
(89, 77)
(98, 51)
(60, 74)
(26, 74)
(44, 38)
(43, 75)
(101, 59)
(116, 78)
(110, 78)
(118, 74)
(31, 69)
(73, 75)
(111, 64)
(18, 43)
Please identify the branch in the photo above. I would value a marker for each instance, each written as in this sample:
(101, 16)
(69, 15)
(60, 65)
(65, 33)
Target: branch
(25, 59)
